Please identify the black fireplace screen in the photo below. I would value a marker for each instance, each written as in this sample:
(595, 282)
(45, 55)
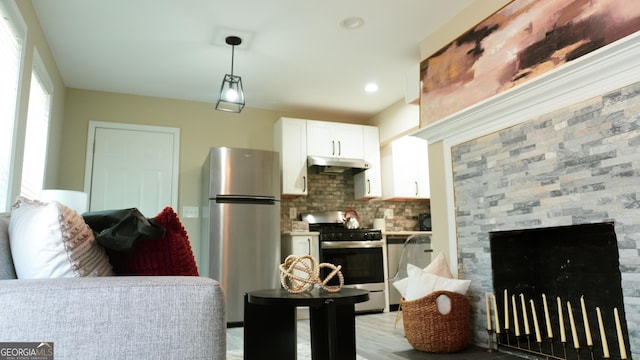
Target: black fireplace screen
(566, 262)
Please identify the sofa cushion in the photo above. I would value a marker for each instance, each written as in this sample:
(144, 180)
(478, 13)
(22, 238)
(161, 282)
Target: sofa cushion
(7, 271)
(163, 256)
(52, 240)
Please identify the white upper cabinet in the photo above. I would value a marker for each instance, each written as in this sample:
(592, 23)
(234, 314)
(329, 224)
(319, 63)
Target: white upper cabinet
(296, 139)
(405, 169)
(291, 142)
(332, 139)
(367, 184)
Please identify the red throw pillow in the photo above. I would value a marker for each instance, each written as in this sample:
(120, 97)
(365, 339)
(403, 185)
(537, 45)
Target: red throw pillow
(169, 255)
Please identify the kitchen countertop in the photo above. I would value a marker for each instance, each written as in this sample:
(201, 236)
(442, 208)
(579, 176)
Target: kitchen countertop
(315, 233)
(401, 233)
(300, 233)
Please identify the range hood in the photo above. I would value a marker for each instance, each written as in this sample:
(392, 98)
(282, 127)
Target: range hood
(328, 165)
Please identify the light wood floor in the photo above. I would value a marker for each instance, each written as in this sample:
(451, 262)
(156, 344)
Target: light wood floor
(376, 337)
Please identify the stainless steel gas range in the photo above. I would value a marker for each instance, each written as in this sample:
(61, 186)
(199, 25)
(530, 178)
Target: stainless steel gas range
(358, 251)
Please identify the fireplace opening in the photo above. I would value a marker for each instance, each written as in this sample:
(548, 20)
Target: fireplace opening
(578, 264)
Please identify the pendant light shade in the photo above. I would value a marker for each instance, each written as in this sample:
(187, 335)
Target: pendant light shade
(231, 96)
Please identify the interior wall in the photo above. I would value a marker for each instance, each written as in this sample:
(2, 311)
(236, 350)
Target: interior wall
(398, 119)
(471, 16)
(439, 170)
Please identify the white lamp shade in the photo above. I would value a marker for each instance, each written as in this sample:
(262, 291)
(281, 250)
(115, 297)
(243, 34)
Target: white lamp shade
(76, 200)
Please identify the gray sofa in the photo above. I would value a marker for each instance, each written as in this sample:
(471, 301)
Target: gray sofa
(135, 317)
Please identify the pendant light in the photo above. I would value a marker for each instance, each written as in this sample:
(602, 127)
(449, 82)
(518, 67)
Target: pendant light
(231, 97)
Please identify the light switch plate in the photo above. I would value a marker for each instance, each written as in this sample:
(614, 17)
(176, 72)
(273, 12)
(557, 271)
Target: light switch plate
(293, 213)
(388, 213)
(190, 212)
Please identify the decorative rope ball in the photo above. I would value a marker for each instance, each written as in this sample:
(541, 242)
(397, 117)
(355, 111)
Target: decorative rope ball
(335, 271)
(299, 274)
(292, 267)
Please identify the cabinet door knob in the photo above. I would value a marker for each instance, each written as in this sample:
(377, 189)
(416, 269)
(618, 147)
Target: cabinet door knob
(304, 184)
(368, 186)
(339, 148)
(417, 192)
(333, 147)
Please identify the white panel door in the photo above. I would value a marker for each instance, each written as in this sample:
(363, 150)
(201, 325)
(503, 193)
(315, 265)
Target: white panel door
(132, 166)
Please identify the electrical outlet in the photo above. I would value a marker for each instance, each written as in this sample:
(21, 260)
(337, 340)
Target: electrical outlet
(388, 213)
(293, 213)
(190, 212)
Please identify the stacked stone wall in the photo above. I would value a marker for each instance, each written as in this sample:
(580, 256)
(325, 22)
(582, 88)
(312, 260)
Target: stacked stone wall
(577, 165)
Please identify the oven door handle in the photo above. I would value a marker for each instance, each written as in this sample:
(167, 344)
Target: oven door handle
(351, 244)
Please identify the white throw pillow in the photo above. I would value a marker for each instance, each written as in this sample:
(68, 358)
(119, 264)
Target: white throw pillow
(422, 283)
(51, 240)
(401, 286)
(439, 266)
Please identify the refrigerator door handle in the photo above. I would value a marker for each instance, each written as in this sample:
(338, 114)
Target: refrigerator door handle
(244, 199)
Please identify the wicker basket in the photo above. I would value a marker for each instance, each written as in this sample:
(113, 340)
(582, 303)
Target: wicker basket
(428, 330)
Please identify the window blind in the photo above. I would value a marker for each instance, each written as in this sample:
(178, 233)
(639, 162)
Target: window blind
(35, 145)
(10, 56)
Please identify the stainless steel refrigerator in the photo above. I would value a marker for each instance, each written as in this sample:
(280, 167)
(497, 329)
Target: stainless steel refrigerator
(241, 223)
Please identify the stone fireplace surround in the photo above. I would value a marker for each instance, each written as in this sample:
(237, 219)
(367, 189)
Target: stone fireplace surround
(561, 149)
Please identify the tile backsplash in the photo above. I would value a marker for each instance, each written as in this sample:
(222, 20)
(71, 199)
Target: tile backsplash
(335, 193)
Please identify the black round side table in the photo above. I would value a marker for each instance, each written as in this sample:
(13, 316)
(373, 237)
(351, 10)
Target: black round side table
(270, 323)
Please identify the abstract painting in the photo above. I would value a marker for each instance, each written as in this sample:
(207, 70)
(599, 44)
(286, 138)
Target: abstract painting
(523, 40)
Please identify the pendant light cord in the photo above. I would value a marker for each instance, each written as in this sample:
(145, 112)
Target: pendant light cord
(233, 50)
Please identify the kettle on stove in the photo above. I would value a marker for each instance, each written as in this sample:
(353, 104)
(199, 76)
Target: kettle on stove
(351, 219)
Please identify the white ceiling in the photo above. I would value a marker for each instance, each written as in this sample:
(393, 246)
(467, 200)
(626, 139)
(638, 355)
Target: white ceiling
(295, 55)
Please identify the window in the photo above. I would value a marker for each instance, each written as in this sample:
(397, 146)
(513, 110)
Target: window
(35, 144)
(11, 45)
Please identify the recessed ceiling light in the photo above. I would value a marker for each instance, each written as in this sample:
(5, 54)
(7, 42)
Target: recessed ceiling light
(352, 22)
(371, 87)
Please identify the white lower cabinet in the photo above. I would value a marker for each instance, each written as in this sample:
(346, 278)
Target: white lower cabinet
(300, 245)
